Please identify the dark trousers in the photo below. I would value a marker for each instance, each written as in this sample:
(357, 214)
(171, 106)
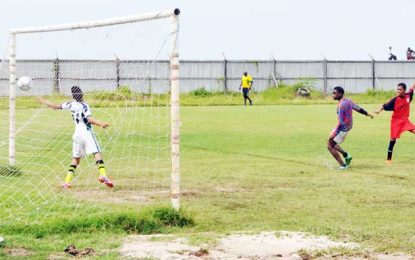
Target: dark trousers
(245, 92)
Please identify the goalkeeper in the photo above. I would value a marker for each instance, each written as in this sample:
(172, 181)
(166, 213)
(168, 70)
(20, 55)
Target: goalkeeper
(84, 141)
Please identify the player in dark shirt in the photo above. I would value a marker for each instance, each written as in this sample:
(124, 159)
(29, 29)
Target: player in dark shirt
(400, 105)
(345, 109)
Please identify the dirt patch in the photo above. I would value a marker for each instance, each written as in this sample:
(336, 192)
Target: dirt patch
(190, 193)
(17, 252)
(227, 189)
(149, 246)
(396, 256)
(266, 245)
(118, 196)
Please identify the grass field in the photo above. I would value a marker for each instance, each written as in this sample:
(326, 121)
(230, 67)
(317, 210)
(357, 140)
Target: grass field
(263, 168)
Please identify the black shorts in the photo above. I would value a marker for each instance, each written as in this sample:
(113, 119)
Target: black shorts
(245, 91)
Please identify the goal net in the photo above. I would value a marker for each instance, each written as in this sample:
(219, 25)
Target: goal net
(127, 69)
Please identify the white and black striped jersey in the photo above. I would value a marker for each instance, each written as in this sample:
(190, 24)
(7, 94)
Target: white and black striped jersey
(80, 113)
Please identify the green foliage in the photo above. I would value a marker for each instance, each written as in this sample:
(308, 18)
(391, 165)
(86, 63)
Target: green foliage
(171, 217)
(304, 83)
(373, 96)
(125, 90)
(9, 170)
(284, 92)
(200, 92)
(148, 221)
(280, 92)
(122, 93)
(274, 95)
(253, 169)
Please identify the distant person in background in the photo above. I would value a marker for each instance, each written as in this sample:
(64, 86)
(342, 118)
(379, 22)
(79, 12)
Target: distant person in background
(246, 85)
(410, 54)
(344, 112)
(391, 55)
(400, 105)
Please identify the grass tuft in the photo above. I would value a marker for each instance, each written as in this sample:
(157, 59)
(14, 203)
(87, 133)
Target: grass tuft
(9, 170)
(200, 92)
(171, 217)
(148, 221)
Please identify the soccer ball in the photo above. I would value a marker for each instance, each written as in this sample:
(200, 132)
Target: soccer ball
(24, 83)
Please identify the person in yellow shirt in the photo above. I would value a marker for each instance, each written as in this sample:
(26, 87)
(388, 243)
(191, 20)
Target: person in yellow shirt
(246, 85)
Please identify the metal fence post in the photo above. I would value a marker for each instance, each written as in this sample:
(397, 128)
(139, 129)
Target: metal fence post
(56, 77)
(274, 61)
(373, 75)
(225, 74)
(325, 77)
(117, 72)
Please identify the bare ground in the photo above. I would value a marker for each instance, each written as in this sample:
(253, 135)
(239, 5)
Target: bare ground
(265, 245)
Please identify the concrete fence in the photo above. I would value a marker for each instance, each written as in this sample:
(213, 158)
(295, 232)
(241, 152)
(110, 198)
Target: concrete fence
(145, 76)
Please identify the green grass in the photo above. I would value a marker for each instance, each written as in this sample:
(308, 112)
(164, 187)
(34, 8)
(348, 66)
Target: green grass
(282, 94)
(268, 168)
(242, 169)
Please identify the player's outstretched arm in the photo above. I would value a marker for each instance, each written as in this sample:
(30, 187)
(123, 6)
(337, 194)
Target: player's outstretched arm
(370, 115)
(362, 111)
(97, 122)
(380, 109)
(48, 103)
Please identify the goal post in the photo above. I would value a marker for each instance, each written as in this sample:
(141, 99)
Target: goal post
(173, 14)
(175, 114)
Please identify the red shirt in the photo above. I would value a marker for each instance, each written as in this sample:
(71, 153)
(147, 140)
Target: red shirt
(400, 105)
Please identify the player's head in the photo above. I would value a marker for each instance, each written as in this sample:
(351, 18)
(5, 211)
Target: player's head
(77, 94)
(245, 73)
(400, 89)
(338, 93)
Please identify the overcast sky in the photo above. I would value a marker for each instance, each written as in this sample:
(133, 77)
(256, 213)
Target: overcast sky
(242, 29)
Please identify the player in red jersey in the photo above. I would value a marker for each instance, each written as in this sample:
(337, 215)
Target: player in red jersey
(400, 105)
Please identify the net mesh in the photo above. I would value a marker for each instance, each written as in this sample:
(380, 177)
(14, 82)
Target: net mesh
(124, 72)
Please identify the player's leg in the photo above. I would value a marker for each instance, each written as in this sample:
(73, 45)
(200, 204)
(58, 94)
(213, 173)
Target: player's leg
(331, 147)
(100, 164)
(92, 146)
(338, 139)
(247, 96)
(245, 93)
(397, 127)
(71, 172)
(103, 178)
(77, 151)
(390, 150)
(347, 157)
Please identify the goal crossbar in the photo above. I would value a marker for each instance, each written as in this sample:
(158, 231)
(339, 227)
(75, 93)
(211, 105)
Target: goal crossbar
(98, 23)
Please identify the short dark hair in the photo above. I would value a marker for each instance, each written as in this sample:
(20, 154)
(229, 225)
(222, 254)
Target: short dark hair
(339, 89)
(77, 93)
(403, 85)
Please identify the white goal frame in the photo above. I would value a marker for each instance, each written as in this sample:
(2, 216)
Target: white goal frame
(173, 14)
